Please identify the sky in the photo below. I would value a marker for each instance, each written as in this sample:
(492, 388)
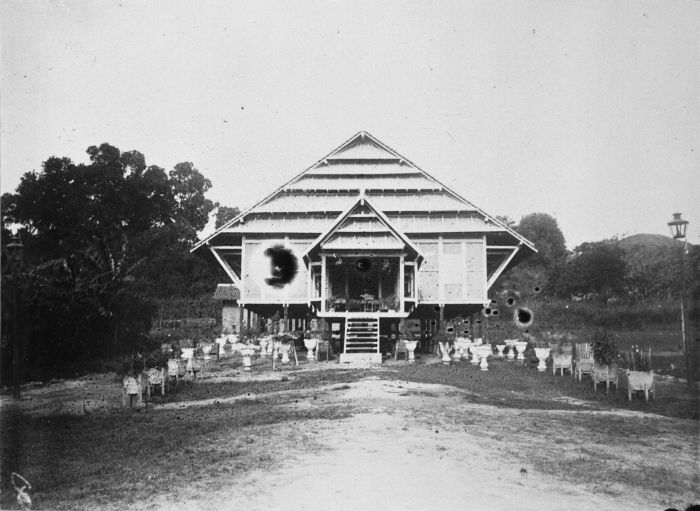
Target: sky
(586, 110)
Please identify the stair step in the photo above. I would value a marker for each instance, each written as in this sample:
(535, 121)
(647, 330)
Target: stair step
(361, 340)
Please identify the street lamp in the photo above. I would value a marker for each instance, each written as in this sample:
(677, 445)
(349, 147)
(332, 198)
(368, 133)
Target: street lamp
(14, 257)
(678, 227)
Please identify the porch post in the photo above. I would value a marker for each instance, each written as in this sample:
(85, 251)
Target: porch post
(240, 318)
(401, 284)
(323, 282)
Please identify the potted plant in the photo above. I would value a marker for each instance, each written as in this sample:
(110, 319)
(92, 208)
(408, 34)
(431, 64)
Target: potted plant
(640, 376)
(285, 341)
(520, 347)
(410, 340)
(542, 349)
(443, 340)
(605, 356)
(500, 348)
(248, 337)
(483, 352)
(312, 339)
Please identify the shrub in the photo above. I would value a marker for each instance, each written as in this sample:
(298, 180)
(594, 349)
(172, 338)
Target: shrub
(604, 350)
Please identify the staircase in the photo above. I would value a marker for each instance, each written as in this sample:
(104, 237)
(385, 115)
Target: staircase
(361, 341)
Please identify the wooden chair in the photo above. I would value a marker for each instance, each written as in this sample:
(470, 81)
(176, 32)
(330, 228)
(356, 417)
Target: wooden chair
(583, 360)
(175, 370)
(155, 378)
(605, 374)
(562, 360)
(641, 381)
(132, 388)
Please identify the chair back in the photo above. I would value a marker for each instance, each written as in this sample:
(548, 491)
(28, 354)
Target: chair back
(584, 351)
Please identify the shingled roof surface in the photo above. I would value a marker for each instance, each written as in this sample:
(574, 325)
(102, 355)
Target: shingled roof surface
(227, 292)
(413, 200)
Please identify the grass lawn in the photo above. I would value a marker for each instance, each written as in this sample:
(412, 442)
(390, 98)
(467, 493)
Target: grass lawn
(116, 458)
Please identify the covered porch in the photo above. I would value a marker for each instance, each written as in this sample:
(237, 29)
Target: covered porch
(347, 285)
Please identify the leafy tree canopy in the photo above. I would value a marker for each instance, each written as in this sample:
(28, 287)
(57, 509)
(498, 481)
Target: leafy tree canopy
(101, 239)
(542, 229)
(594, 267)
(224, 214)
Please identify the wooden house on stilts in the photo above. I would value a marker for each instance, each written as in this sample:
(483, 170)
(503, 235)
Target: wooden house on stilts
(364, 238)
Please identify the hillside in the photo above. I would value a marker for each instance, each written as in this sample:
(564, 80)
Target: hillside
(646, 241)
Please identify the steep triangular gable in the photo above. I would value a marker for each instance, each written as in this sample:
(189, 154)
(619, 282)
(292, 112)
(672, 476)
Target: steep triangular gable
(362, 147)
(364, 219)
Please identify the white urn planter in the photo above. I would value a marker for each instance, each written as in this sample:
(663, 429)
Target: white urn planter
(474, 349)
(445, 348)
(221, 342)
(510, 343)
(484, 352)
(207, 352)
(310, 344)
(284, 349)
(500, 348)
(247, 354)
(263, 347)
(411, 347)
(542, 354)
(520, 346)
(458, 349)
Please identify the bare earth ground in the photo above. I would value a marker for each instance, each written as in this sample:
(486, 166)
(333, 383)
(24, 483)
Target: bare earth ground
(405, 445)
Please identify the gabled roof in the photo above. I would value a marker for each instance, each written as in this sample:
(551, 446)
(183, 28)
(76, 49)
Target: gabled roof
(364, 166)
(363, 225)
(227, 292)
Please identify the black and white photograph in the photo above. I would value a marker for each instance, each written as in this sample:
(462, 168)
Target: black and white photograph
(320, 255)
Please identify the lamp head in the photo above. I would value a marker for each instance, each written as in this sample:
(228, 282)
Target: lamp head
(678, 226)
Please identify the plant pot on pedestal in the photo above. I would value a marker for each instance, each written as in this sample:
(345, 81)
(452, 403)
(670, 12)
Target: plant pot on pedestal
(247, 354)
(310, 343)
(510, 344)
(445, 349)
(542, 355)
(520, 347)
(411, 347)
(484, 352)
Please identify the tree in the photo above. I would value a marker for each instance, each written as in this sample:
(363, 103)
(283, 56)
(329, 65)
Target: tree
(224, 214)
(86, 228)
(594, 267)
(189, 187)
(543, 230)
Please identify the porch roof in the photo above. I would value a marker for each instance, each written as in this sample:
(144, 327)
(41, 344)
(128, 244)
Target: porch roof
(345, 235)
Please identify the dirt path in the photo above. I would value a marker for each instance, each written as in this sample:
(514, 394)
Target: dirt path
(414, 446)
(403, 452)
